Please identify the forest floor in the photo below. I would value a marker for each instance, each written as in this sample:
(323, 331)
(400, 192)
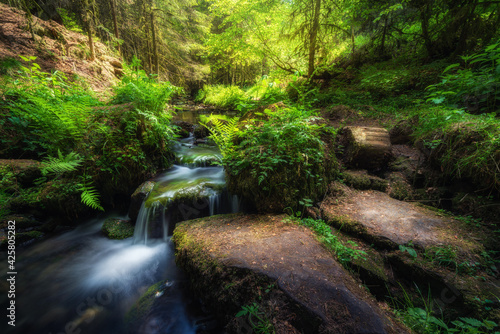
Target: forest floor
(57, 49)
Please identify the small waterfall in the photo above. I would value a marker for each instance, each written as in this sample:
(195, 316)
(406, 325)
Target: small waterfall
(151, 223)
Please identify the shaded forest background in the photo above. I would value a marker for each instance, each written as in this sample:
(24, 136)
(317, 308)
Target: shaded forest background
(194, 42)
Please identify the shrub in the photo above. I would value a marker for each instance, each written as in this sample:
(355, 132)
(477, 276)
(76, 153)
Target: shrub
(222, 96)
(278, 160)
(473, 84)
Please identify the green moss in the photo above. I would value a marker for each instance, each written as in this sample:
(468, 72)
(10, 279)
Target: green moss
(115, 228)
(362, 181)
(143, 306)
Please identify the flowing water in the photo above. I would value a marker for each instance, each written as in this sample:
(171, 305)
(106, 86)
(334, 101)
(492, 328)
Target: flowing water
(81, 282)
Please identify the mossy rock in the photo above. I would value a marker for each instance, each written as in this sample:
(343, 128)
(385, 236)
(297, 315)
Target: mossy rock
(23, 222)
(399, 188)
(115, 228)
(138, 197)
(22, 238)
(360, 179)
(365, 147)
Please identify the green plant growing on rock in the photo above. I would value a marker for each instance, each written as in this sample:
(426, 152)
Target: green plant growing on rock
(343, 253)
(258, 320)
(222, 132)
(409, 249)
(281, 147)
(472, 84)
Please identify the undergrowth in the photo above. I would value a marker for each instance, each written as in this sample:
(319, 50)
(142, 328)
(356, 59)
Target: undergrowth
(345, 254)
(421, 317)
(264, 91)
(93, 148)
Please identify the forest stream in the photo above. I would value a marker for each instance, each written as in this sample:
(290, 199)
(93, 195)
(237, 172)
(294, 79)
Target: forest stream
(81, 281)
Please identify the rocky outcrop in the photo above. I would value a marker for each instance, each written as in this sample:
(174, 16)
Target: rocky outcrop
(138, 197)
(115, 228)
(238, 260)
(365, 147)
(409, 245)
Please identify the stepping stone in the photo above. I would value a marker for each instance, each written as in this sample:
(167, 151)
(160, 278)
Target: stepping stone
(365, 147)
(388, 222)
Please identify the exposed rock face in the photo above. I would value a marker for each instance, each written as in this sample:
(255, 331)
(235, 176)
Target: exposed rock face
(227, 257)
(365, 147)
(445, 255)
(138, 197)
(391, 222)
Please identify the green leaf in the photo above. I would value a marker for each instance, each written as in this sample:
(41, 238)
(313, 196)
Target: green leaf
(90, 197)
(450, 67)
(473, 322)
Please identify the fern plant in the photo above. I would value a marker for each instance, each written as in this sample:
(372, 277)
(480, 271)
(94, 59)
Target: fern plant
(222, 132)
(61, 164)
(90, 195)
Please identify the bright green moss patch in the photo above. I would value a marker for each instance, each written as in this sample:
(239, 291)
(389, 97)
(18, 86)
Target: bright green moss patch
(115, 228)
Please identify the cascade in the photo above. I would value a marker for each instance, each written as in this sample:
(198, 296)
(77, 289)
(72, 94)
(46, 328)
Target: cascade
(81, 281)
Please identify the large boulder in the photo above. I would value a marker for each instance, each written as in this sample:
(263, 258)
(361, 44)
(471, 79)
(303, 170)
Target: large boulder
(429, 249)
(278, 267)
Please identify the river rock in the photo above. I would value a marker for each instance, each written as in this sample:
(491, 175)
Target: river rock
(237, 260)
(365, 147)
(25, 171)
(138, 197)
(115, 228)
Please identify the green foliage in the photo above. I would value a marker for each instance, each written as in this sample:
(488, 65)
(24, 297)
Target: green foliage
(409, 249)
(281, 147)
(466, 146)
(119, 229)
(223, 132)
(344, 254)
(45, 114)
(69, 20)
(9, 65)
(258, 320)
(472, 84)
(42, 112)
(146, 92)
(422, 319)
(222, 96)
(266, 91)
(90, 195)
(61, 163)
(385, 81)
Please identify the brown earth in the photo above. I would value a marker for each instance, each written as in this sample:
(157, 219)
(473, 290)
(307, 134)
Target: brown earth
(56, 48)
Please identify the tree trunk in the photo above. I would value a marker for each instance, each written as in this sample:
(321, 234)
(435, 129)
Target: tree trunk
(88, 23)
(155, 46)
(115, 23)
(424, 23)
(352, 37)
(91, 44)
(382, 43)
(313, 34)
(29, 18)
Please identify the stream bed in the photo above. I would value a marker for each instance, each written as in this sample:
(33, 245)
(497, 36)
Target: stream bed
(82, 282)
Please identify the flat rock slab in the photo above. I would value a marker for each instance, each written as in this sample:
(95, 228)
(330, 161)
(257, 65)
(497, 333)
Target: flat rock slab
(390, 222)
(365, 147)
(302, 268)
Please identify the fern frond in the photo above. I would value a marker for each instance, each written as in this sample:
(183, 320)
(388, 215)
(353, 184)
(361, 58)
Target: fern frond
(90, 197)
(61, 163)
(222, 133)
